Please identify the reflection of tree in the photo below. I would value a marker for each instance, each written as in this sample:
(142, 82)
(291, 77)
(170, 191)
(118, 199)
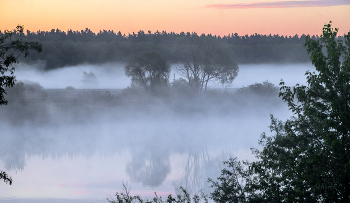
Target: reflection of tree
(17, 147)
(198, 169)
(149, 167)
(13, 157)
(14, 161)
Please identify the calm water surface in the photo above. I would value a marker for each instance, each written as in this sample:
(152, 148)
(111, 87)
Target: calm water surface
(88, 161)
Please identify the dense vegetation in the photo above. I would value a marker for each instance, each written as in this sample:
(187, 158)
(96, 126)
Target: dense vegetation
(69, 48)
(307, 159)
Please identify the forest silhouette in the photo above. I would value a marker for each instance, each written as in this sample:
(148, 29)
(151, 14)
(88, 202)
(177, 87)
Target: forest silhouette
(71, 48)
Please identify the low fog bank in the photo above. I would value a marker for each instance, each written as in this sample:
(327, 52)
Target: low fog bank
(86, 122)
(29, 103)
(291, 74)
(55, 114)
(108, 76)
(76, 120)
(203, 129)
(112, 75)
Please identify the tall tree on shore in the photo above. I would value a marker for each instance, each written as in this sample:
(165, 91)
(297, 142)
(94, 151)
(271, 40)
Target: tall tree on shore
(204, 59)
(149, 71)
(308, 157)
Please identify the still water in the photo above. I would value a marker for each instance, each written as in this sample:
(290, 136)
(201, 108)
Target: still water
(88, 160)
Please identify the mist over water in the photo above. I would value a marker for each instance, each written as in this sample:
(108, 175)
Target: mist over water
(111, 75)
(81, 145)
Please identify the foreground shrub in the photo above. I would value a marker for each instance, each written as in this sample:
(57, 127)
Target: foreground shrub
(184, 197)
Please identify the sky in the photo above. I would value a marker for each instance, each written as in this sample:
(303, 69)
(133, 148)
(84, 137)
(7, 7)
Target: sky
(218, 17)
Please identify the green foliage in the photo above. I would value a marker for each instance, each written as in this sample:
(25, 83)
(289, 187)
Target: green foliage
(322, 127)
(149, 71)
(8, 50)
(308, 157)
(230, 185)
(184, 197)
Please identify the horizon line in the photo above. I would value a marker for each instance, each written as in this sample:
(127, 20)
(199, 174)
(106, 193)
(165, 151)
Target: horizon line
(281, 4)
(146, 33)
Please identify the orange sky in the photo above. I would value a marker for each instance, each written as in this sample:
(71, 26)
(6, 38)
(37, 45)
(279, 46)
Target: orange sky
(219, 17)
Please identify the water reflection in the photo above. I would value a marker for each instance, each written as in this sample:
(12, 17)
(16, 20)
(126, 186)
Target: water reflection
(83, 144)
(199, 167)
(88, 161)
(14, 161)
(86, 151)
(149, 166)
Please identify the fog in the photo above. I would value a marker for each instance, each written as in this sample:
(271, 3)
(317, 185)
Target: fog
(80, 145)
(111, 75)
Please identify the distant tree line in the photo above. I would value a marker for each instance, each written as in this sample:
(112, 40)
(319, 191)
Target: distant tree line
(69, 48)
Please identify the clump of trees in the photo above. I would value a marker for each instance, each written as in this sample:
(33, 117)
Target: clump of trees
(89, 78)
(149, 71)
(203, 60)
(265, 88)
(264, 92)
(69, 88)
(307, 159)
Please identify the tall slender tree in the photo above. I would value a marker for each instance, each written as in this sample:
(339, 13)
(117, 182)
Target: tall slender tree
(308, 157)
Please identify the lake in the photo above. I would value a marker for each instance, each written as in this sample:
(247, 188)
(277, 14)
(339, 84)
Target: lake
(79, 151)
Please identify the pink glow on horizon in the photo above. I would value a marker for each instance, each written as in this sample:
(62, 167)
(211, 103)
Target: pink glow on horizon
(203, 17)
(280, 4)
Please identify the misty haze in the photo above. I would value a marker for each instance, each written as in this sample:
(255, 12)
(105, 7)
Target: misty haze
(81, 143)
(174, 101)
